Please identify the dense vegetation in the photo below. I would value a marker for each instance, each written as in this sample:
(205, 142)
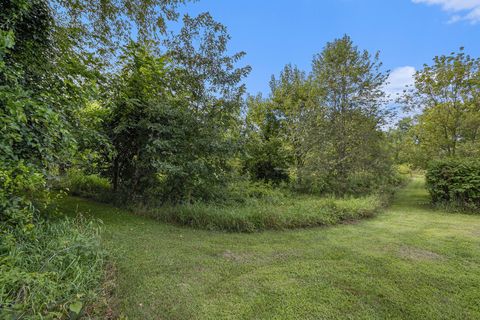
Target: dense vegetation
(99, 100)
(445, 98)
(284, 213)
(455, 183)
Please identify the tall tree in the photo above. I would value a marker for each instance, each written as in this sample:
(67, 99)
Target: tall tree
(174, 122)
(291, 100)
(344, 137)
(447, 94)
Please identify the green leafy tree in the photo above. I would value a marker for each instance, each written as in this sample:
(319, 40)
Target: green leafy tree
(32, 133)
(267, 156)
(175, 117)
(291, 100)
(403, 142)
(448, 95)
(345, 144)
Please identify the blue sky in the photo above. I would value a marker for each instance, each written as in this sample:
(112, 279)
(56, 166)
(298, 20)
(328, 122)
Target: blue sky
(408, 33)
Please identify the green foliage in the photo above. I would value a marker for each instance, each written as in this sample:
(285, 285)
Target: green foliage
(323, 131)
(173, 117)
(51, 272)
(246, 192)
(18, 185)
(104, 26)
(344, 141)
(455, 183)
(403, 169)
(45, 266)
(447, 93)
(281, 213)
(403, 144)
(92, 186)
(266, 155)
(161, 148)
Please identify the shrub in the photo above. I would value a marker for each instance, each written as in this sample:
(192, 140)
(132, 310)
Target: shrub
(245, 191)
(455, 183)
(356, 183)
(92, 186)
(52, 272)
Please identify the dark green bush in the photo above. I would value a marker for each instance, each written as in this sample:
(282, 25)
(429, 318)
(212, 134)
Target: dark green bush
(455, 183)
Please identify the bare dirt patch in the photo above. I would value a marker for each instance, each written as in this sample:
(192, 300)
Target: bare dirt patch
(418, 254)
(107, 304)
(237, 257)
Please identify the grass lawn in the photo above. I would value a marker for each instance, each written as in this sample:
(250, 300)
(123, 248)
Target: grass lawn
(408, 263)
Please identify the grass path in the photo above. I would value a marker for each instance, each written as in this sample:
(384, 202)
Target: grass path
(408, 263)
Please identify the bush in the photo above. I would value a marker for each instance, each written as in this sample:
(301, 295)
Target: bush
(403, 169)
(92, 186)
(246, 191)
(52, 272)
(455, 183)
(357, 183)
(289, 213)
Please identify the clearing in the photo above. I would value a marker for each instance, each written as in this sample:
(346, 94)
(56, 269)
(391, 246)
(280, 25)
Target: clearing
(410, 262)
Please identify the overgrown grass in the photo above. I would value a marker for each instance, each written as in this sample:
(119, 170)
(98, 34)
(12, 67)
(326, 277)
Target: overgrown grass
(257, 215)
(91, 186)
(53, 272)
(245, 206)
(409, 262)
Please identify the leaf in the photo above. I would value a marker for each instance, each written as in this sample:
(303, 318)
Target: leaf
(76, 307)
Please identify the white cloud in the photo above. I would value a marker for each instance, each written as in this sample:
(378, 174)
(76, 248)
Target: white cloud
(468, 10)
(398, 80)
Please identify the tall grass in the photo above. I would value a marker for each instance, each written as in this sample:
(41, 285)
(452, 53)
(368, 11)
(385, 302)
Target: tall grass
(245, 206)
(91, 186)
(52, 273)
(291, 212)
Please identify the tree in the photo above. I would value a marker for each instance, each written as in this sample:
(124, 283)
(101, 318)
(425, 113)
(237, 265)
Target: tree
(291, 101)
(404, 143)
(105, 26)
(175, 116)
(448, 95)
(32, 133)
(344, 138)
(49, 73)
(267, 156)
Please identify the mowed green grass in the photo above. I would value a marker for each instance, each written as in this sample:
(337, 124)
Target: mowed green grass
(409, 262)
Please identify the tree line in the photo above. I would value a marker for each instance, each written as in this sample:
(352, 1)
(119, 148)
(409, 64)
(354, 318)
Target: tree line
(166, 116)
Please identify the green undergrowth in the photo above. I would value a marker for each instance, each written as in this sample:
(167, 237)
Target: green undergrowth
(410, 262)
(244, 206)
(53, 272)
(287, 213)
(454, 184)
(91, 186)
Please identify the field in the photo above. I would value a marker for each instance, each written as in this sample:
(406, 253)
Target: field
(410, 262)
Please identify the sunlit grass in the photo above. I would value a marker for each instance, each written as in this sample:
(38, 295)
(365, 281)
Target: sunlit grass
(408, 263)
